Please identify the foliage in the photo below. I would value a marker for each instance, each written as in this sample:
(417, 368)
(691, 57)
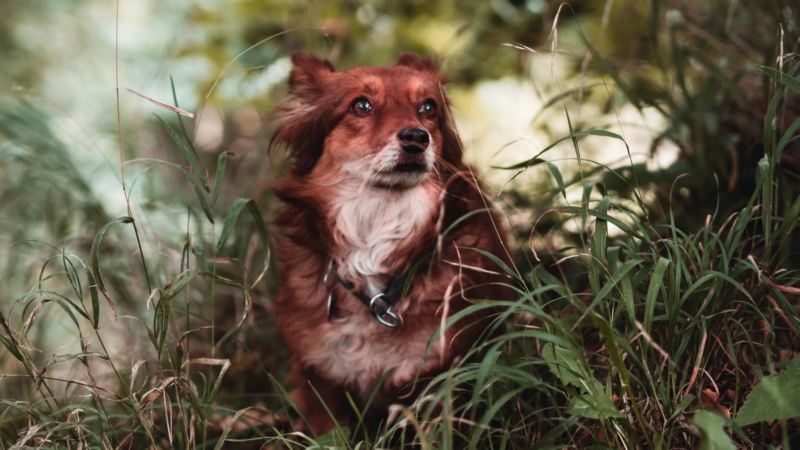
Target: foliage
(642, 320)
(774, 398)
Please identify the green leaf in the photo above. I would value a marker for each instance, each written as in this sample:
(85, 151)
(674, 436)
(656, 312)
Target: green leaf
(563, 364)
(618, 223)
(201, 261)
(565, 94)
(712, 431)
(652, 292)
(193, 161)
(764, 177)
(222, 161)
(200, 196)
(559, 179)
(162, 310)
(233, 421)
(607, 333)
(533, 162)
(96, 260)
(9, 342)
(775, 398)
(230, 222)
(511, 272)
(593, 406)
(93, 295)
(536, 160)
(782, 78)
(463, 218)
(787, 137)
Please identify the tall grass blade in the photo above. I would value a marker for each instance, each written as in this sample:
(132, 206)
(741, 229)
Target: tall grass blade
(559, 179)
(653, 291)
(189, 154)
(200, 196)
(782, 78)
(222, 161)
(230, 222)
(95, 253)
(162, 309)
(9, 341)
(536, 160)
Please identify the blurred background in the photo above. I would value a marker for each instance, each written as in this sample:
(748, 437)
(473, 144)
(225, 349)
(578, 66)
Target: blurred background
(676, 80)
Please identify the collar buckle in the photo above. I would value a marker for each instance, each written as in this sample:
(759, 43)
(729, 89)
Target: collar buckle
(382, 310)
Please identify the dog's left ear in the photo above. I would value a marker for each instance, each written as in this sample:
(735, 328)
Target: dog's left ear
(308, 72)
(418, 63)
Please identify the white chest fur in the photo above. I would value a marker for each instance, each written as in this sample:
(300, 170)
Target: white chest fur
(357, 352)
(369, 226)
(371, 223)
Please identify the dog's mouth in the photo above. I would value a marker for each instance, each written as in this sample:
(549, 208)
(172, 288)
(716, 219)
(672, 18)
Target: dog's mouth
(411, 162)
(404, 168)
(409, 167)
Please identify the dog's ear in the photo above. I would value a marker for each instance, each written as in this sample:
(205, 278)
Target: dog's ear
(308, 72)
(418, 63)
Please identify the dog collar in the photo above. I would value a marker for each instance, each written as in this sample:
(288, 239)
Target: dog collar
(380, 305)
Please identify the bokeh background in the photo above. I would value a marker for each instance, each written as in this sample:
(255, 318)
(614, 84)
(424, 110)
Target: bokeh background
(675, 79)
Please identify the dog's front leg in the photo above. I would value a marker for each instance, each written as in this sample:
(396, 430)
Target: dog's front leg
(310, 394)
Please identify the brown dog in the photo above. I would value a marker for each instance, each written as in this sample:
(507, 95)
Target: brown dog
(376, 179)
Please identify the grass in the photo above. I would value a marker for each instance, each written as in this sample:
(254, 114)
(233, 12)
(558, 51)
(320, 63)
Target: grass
(653, 326)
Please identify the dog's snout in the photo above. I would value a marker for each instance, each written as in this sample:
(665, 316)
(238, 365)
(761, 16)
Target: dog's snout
(413, 139)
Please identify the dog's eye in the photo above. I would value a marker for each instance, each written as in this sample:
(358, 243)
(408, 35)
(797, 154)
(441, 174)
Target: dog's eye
(428, 109)
(361, 106)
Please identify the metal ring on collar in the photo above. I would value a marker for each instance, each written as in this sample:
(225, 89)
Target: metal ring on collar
(330, 294)
(380, 309)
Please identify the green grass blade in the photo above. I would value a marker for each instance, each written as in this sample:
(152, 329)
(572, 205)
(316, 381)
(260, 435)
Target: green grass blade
(188, 154)
(653, 291)
(787, 137)
(765, 178)
(95, 252)
(222, 161)
(230, 223)
(536, 160)
(782, 78)
(200, 196)
(163, 308)
(559, 179)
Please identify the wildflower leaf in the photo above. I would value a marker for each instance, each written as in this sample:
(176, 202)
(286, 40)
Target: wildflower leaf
(713, 433)
(775, 398)
(563, 364)
(593, 405)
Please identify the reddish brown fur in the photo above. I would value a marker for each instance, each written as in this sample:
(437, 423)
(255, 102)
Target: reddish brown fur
(330, 203)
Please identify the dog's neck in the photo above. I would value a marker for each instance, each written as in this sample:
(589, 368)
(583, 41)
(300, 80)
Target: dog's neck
(374, 231)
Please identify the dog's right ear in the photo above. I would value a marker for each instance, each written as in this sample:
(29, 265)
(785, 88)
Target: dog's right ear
(308, 72)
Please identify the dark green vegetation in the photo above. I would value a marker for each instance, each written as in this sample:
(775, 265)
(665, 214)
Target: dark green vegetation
(657, 308)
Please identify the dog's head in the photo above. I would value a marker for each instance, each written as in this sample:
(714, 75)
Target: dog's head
(387, 127)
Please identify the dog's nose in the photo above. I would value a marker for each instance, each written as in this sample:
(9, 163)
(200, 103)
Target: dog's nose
(413, 139)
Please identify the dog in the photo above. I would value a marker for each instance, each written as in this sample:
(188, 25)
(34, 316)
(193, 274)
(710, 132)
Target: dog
(380, 220)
